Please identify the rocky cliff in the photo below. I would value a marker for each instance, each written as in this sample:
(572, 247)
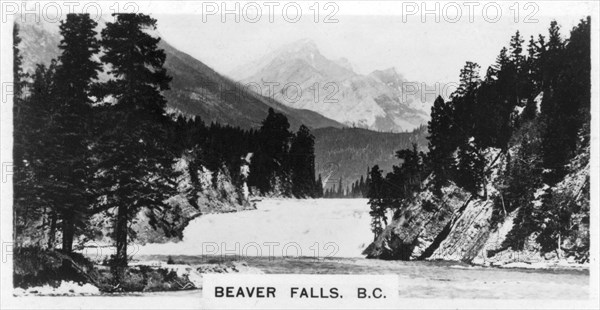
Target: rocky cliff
(460, 227)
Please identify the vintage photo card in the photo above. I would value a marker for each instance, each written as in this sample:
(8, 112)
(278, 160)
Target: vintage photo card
(299, 154)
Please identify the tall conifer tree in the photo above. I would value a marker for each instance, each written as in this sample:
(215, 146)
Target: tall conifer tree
(302, 162)
(71, 165)
(135, 161)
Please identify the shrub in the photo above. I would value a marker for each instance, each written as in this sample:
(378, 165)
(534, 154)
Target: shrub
(34, 266)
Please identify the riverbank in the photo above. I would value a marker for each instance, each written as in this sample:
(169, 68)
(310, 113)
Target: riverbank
(141, 277)
(416, 279)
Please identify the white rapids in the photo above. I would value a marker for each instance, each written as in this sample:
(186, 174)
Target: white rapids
(278, 227)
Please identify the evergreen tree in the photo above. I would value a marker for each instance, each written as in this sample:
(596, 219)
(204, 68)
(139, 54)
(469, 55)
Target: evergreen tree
(555, 138)
(516, 51)
(441, 147)
(134, 162)
(376, 196)
(469, 78)
(413, 170)
(470, 168)
(497, 98)
(302, 163)
(532, 65)
(464, 104)
(502, 60)
(519, 67)
(405, 180)
(271, 162)
(533, 78)
(361, 187)
(319, 187)
(71, 155)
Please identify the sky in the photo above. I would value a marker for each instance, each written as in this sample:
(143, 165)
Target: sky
(373, 35)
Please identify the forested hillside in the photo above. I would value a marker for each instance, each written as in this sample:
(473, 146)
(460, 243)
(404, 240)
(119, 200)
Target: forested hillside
(510, 147)
(199, 90)
(346, 154)
(103, 156)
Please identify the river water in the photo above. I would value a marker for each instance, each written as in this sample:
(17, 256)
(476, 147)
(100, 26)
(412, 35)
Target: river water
(326, 236)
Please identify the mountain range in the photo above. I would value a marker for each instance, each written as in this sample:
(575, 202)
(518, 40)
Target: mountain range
(303, 78)
(198, 90)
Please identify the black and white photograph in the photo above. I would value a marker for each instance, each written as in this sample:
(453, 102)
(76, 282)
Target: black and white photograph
(301, 155)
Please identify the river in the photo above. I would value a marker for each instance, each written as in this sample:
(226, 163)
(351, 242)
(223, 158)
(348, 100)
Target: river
(327, 236)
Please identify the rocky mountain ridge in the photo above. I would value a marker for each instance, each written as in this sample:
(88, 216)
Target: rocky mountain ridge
(196, 89)
(383, 100)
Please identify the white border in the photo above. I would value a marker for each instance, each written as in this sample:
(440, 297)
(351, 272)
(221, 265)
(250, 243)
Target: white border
(351, 8)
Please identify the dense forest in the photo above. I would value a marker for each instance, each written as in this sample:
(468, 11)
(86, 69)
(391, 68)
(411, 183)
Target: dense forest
(85, 145)
(532, 108)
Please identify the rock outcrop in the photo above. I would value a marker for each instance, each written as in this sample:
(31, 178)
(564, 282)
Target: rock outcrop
(460, 227)
(419, 227)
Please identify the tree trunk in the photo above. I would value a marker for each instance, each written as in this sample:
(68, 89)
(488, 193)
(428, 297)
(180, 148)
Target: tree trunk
(558, 249)
(120, 263)
(52, 233)
(68, 232)
(67, 241)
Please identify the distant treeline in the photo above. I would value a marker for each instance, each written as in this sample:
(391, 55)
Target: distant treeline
(346, 154)
(358, 189)
(85, 146)
(534, 102)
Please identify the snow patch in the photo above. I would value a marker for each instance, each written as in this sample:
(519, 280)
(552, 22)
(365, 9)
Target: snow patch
(66, 288)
